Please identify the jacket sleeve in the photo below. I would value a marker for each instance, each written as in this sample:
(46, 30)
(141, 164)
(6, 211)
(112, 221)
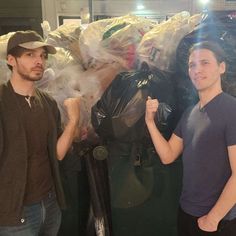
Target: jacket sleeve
(1, 137)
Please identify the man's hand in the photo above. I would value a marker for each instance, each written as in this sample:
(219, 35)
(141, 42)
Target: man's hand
(151, 109)
(207, 224)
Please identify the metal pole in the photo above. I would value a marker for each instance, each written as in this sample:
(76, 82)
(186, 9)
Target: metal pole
(90, 4)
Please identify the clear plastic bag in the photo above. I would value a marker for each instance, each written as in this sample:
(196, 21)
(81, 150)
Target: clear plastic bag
(158, 46)
(113, 40)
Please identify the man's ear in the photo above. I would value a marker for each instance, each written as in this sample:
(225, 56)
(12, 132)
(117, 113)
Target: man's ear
(11, 60)
(222, 67)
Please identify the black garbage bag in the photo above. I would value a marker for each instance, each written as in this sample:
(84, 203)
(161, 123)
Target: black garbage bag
(119, 114)
(141, 188)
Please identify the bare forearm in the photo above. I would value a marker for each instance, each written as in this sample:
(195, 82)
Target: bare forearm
(65, 140)
(226, 200)
(168, 151)
(72, 106)
(162, 146)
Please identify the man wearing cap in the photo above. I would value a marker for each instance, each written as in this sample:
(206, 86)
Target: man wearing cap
(31, 142)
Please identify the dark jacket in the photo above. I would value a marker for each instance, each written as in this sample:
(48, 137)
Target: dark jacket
(13, 154)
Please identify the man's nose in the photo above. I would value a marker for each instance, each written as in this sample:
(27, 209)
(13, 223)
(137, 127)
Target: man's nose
(197, 69)
(40, 60)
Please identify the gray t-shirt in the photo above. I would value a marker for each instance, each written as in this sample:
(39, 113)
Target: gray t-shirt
(206, 134)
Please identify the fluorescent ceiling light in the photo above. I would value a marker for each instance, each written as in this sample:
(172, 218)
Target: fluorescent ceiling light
(204, 2)
(140, 7)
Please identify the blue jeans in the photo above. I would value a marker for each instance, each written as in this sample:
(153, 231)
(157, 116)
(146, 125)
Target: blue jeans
(41, 219)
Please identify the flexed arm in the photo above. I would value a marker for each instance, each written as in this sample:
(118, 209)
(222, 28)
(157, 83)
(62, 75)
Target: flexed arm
(71, 129)
(167, 150)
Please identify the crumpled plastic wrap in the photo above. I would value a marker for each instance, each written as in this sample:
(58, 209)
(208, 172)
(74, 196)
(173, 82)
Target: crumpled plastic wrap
(66, 36)
(65, 84)
(113, 40)
(4, 71)
(3, 44)
(46, 28)
(158, 46)
(72, 81)
(56, 62)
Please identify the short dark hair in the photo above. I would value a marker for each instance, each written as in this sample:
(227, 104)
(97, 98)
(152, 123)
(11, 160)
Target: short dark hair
(16, 52)
(213, 47)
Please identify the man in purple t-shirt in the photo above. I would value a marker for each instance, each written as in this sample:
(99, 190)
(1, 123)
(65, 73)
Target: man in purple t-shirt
(206, 137)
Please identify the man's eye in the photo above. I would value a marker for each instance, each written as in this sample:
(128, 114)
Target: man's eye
(45, 56)
(29, 54)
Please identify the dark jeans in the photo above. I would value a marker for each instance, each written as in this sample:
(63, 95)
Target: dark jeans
(41, 219)
(188, 226)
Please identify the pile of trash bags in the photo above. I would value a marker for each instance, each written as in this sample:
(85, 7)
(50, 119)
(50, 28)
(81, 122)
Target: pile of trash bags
(88, 59)
(105, 48)
(158, 46)
(113, 65)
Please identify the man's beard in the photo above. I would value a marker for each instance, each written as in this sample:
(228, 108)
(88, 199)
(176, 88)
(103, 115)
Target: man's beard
(27, 77)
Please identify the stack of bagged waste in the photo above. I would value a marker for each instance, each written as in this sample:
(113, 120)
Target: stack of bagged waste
(113, 40)
(66, 36)
(87, 60)
(113, 65)
(67, 77)
(158, 46)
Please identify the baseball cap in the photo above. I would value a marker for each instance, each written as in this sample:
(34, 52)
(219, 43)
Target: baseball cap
(30, 40)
